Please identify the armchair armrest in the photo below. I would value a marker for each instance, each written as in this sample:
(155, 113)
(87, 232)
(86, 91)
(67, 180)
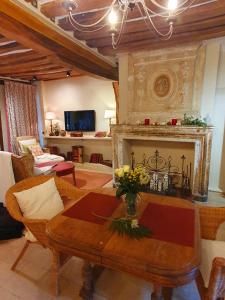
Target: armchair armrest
(216, 287)
(210, 219)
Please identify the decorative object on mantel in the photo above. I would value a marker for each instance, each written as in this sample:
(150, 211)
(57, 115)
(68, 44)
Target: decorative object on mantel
(56, 129)
(193, 121)
(76, 133)
(129, 184)
(147, 122)
(62, 133)
(164, 176)
(50, 116)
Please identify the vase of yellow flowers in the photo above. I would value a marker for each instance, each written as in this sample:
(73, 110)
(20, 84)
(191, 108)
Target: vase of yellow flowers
(130, 183)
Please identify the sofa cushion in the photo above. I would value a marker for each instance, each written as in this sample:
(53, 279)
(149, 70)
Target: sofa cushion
(210, 250)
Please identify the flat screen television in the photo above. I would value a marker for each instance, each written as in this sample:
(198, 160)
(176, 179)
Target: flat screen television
(80, 120)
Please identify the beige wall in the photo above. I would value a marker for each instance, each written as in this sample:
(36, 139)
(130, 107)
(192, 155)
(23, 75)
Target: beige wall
(82, 93)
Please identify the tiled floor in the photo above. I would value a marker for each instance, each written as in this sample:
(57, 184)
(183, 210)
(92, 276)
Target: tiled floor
(31, 280)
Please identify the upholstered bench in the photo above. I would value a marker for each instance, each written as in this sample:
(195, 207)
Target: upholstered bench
(60, 168)
(65, 168)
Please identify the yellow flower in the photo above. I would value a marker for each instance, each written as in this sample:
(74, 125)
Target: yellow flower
(119, 172)
(134, 223)
(116, 171)
(126, 168)
(144, 178)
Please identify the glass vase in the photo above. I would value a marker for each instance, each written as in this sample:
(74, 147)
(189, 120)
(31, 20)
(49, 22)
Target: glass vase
(131, 206)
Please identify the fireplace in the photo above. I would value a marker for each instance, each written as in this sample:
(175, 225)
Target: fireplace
(195, 140)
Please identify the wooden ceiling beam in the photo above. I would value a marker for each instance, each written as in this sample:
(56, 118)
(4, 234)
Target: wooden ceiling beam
(23, 67)
(51, 70)
(11, 47)
(18, 57)
(57, 8)
(201, 26)
(4, 39)
(155, 43)
(191, 15)
(27, 29)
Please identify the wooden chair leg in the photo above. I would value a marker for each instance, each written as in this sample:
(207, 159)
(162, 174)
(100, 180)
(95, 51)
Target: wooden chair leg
(20, 255)
(74, 178)
(55, 271)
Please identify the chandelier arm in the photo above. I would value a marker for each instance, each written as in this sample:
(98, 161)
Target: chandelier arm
(164, 36)
(84, 29)
(116, 42)
(98, 21)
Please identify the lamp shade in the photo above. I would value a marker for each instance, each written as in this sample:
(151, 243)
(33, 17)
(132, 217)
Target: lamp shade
(109, 113)
(50, 115)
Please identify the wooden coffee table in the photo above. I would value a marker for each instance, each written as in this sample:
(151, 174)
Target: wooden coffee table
(163, 262)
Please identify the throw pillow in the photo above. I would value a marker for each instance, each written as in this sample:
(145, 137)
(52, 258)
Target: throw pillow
(220, 234)
(101, 134)
(40, 202)
(23, 166)
(36, 150)
(25, 143)
(210, 250)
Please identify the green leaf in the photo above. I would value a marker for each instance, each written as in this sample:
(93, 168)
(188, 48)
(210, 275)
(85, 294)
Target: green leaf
(123, 227)
(120, 191)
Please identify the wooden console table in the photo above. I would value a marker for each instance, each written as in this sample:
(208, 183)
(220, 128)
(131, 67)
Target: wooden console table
(163, 263)
(91, 145)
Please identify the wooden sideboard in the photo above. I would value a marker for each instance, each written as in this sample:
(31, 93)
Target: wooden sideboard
(90, 143)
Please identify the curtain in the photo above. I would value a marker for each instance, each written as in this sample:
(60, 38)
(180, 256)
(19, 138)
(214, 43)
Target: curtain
(21, 111)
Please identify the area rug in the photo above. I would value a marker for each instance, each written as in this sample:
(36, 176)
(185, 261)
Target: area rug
(89, 180)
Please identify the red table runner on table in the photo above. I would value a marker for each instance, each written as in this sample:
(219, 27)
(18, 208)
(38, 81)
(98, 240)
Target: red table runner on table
(169, 223)
(93, 203)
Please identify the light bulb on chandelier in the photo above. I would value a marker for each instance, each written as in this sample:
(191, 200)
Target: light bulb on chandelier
(115, 16)
(172, 5)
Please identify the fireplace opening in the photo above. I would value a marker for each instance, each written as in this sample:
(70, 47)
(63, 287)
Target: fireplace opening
(165, 175)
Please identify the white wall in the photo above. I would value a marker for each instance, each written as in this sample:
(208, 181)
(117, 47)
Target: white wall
(81, 93)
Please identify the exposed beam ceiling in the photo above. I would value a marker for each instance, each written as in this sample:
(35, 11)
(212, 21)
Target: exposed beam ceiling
(205, 20)
(23, 30)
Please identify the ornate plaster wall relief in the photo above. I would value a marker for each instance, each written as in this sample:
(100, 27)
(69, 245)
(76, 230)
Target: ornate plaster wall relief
(165, 83)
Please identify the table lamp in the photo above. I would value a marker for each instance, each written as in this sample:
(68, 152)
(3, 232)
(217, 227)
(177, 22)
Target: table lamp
(109, 114)
(50, 116)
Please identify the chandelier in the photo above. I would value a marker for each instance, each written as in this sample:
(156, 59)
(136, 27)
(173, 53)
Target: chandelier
(115, 16)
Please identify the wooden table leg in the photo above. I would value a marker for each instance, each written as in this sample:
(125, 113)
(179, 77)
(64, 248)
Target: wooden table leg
(157, 293)
(90, 275)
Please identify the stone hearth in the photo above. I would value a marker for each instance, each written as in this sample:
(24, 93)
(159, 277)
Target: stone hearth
(201, 137)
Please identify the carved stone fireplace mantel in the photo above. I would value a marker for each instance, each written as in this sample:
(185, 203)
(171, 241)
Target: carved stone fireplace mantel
(201, 137)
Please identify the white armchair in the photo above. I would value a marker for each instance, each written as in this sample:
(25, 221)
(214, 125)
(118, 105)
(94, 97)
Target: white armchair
(26, 144)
